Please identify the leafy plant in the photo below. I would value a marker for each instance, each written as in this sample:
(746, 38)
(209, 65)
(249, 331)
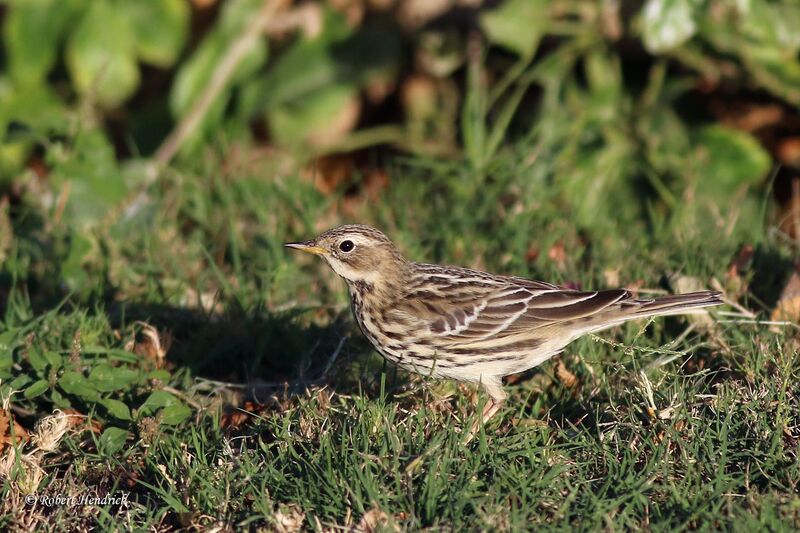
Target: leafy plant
(76, 367)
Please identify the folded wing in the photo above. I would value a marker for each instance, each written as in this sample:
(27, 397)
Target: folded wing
(482, 312)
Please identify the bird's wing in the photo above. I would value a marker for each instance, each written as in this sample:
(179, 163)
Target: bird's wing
(472, 312)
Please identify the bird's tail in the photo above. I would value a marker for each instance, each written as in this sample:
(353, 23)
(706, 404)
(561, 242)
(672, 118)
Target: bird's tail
(674, 304)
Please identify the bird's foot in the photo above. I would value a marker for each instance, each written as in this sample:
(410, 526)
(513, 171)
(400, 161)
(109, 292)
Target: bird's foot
(489, 410)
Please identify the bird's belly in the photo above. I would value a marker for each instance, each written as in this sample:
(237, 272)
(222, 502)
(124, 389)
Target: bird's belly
(397, 348)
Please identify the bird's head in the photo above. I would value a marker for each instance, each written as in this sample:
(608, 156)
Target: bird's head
(358, 253)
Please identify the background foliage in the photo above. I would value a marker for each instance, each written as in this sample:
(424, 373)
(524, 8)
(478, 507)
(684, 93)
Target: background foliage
(154, 155)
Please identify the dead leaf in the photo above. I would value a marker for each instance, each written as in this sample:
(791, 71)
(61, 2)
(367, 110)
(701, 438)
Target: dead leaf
(369, 191)
(788, 306)
(289, 518)
(747, 116)
(338, 126)
(11, 432)
(414, 14)
(567, 378)
(332, 172)
(558, 254)
(418, 96)
(735, 285)
(7, 462)
(77, 419)
(789, 218)
(307, 18)
(611, 21)
(239, 417)
(611, 277)
(742, 261)
(150, 344)
(234, 420)
(353, 10)
(375, 520)
(532, 254)
(634, 286)
(789, 151)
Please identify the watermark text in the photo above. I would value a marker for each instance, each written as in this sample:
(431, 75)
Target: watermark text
(119, 499)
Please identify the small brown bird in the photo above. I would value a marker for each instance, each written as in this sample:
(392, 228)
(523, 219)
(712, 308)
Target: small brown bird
(467, 325)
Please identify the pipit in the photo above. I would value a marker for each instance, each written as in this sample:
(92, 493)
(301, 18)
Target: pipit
(467, 325)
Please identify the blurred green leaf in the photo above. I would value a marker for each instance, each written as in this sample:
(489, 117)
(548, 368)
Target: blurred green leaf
(76, 384)
(787, 22)
(173, 410)
(26, 117)
(54, 359)
(310, 93)
(8, 341)
(72, 271)
(604, 73)
(37, 389)
(594, 175)
(93, 178)
(160, 27)
(36, 107)
(772, 23)
(729, 158)
(774, 70)
(336, 57)
(159, 374)
(101, 54)
(195, 74)
(295, 123)
(20, 381)
(112, 440)
(667, 24)
(517, 25)
(32, 32)
(117, 409)
(157, 400)
(752, 38)
(37, 359)
(59, 400)
(175, 414)
(302, 70)
(107, 378)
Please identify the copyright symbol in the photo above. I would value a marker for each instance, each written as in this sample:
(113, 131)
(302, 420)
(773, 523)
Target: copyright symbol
(30, 499)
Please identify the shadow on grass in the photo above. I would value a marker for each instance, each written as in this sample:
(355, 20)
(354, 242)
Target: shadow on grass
(771, 273)
(265, 353)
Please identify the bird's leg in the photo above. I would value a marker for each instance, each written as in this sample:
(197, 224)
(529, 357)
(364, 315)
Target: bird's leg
(497, 396)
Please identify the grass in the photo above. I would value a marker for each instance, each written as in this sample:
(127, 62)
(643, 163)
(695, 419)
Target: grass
(296, 422)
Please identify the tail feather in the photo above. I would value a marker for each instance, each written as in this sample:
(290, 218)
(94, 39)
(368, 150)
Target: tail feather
(630, 308)
(671, 305)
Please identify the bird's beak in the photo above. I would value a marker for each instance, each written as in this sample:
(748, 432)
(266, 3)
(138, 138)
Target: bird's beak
(307, 246)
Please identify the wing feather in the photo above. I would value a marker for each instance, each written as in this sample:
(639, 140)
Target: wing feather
(583, 304)
(475, 311)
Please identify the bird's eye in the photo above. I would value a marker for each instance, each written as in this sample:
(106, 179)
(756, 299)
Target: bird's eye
(346, 246)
